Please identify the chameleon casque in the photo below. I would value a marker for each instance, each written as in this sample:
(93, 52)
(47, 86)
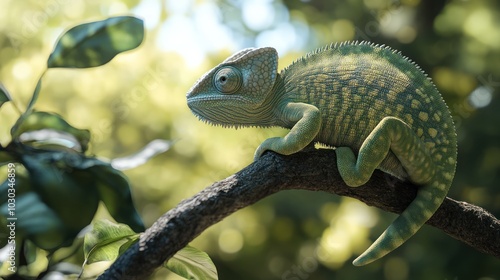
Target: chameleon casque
(375, 106)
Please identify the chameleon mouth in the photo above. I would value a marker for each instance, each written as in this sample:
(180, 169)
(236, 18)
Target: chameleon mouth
(207, 99)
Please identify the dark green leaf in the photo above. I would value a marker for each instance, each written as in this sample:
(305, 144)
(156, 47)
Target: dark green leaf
(114, 190)
(44, 123)
(69, 192)
(3, 192)
(20, 183)
(152, 149)
(192, 264)
(104, 241)
(4, 95)
(96, 43)
(39, 223)
(33, 215)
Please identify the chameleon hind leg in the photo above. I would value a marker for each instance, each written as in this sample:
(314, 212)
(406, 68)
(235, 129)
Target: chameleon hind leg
(392, 134)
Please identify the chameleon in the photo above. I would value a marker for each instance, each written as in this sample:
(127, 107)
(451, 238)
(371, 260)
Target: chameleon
(373, 105)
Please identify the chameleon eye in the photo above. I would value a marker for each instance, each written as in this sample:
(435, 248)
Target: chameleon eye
(228, 80)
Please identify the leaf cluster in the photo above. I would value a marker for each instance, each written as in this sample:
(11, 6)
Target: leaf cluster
(55, 187)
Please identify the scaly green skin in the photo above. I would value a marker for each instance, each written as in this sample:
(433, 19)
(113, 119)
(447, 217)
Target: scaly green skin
(376, 106)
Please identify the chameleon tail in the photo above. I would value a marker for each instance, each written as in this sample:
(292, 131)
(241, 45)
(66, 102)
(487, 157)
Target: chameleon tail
(427, 201)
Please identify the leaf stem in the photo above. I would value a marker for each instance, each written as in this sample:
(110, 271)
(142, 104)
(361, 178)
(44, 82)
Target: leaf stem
(36, 92)
(16, 107)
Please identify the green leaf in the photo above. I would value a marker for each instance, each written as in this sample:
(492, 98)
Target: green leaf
(192, 264)
(20, 183)
(4, 95)
(104, 241)
(96, 43)
(37, 222)
(114, 191)
(33, 215)
(152, 149)
(70, 192)
(47, 123)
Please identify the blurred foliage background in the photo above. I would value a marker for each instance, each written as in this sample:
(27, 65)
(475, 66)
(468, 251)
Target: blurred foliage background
(140, 96)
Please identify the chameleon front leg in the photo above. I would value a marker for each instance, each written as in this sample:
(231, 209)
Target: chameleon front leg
(307, 119)
(395, 135)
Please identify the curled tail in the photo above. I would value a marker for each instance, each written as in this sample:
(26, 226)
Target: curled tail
(428, 199)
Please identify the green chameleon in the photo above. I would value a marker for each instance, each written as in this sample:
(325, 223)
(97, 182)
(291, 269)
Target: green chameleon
(374, 105)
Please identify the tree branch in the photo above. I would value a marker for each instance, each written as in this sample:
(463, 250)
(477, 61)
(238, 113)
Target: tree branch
(311, 170)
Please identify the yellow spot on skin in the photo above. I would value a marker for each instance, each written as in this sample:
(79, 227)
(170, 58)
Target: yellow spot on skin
(420, 93)
(391, 96)
(401, 82)
(430, 145)
(420, 203)
(400, 108)
(346, 76)
(448, 175)
(415, 104)
(451, 160)
(420, 132)
(335, 86)
(428, 213)
(426, 194)
(423, 116)
(432, 132)
(357, 99)
(438, 157)
(379, 104)
(362, 124)
(358, 114)
(437, 200)
(371, 113)
(321, 86)
(437, 117)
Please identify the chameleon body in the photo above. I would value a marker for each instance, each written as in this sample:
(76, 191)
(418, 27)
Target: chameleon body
(374, 105)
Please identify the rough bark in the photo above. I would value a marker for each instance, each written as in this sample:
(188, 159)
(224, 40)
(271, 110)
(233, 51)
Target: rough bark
(311, 170)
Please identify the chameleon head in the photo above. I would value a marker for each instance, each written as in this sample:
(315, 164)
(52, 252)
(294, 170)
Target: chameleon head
(233, 93)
